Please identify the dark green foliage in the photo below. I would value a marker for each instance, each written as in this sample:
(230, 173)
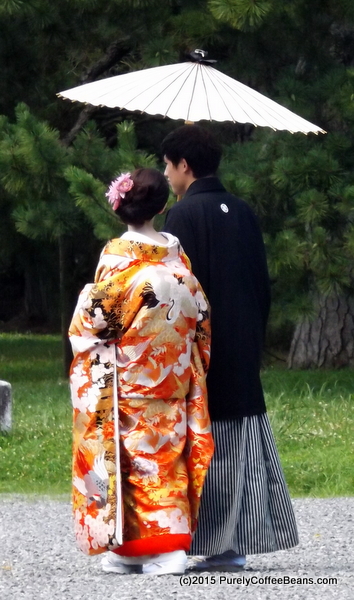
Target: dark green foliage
(302, 190)
(57, 158)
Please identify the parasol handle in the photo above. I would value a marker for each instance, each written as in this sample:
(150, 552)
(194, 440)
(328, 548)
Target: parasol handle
(186, 123)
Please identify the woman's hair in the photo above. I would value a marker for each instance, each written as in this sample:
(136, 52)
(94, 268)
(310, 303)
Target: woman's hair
(197, 146)
(146, 199)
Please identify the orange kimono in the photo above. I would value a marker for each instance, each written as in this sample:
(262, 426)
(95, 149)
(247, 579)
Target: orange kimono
(142, 439)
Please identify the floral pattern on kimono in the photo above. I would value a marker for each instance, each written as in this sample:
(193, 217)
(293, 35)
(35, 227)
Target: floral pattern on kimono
(146, 317)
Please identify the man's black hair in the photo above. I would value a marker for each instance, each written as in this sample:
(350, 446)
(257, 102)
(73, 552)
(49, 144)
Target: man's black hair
(197, 146)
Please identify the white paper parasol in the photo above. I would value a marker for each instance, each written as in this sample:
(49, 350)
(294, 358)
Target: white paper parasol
(192, 91)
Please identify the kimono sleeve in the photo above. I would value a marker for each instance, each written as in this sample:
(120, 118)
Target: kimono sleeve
(203, 333)
(180, 223)
(202, 336)
(104, 311)
(199, 445)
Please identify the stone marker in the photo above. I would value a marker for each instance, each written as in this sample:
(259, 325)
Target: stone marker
(5, 406)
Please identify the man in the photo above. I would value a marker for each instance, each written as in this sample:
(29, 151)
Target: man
(245, 506)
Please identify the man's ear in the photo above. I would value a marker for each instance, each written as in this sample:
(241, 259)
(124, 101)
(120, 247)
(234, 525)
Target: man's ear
(185, 166)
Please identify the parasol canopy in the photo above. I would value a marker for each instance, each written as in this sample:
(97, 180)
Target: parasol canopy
(192, 91)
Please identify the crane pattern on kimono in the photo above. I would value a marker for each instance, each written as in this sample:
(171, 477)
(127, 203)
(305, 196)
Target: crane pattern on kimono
(94, 483)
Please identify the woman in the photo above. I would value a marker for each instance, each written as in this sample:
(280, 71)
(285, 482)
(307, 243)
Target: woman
(142, 441)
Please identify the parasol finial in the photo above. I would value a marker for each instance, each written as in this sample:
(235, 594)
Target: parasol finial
(200, 56)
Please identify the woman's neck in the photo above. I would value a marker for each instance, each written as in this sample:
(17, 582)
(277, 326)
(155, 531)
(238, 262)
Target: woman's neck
(149, 230)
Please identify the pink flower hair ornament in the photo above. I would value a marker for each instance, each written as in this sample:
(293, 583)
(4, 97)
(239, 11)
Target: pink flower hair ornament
(118, 188)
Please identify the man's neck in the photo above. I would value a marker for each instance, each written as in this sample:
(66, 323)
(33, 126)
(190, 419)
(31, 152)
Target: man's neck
(198, 179)
(191, 179)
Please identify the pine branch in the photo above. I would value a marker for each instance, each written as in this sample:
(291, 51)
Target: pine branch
(82, 119)
(115, 52)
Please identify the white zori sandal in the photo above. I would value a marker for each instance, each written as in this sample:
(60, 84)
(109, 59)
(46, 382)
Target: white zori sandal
(168, 563)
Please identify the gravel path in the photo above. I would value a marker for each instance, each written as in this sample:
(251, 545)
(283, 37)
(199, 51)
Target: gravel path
(39, 560)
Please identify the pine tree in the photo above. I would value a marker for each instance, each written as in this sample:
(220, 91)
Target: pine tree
(56, 158)
(302, 188)
(58, 192)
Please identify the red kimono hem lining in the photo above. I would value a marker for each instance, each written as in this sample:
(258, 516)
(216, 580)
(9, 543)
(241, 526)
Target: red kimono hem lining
(155, 545)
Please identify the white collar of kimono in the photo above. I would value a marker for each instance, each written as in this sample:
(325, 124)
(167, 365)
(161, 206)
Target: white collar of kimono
(134, 246)
(134, 236)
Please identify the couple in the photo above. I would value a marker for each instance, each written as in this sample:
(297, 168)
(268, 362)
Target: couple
(143, 329)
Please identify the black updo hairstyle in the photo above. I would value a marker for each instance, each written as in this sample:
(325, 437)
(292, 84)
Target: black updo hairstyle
(146, 199)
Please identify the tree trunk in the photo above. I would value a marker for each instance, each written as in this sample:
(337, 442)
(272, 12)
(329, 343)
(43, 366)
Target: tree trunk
(39, 302)
(327, 340)
(65, 313)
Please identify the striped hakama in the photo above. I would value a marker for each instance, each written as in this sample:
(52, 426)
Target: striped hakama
(245, 503)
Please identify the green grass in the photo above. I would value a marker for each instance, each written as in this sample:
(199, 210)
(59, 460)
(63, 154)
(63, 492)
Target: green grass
(311, 413)
(36, 456)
